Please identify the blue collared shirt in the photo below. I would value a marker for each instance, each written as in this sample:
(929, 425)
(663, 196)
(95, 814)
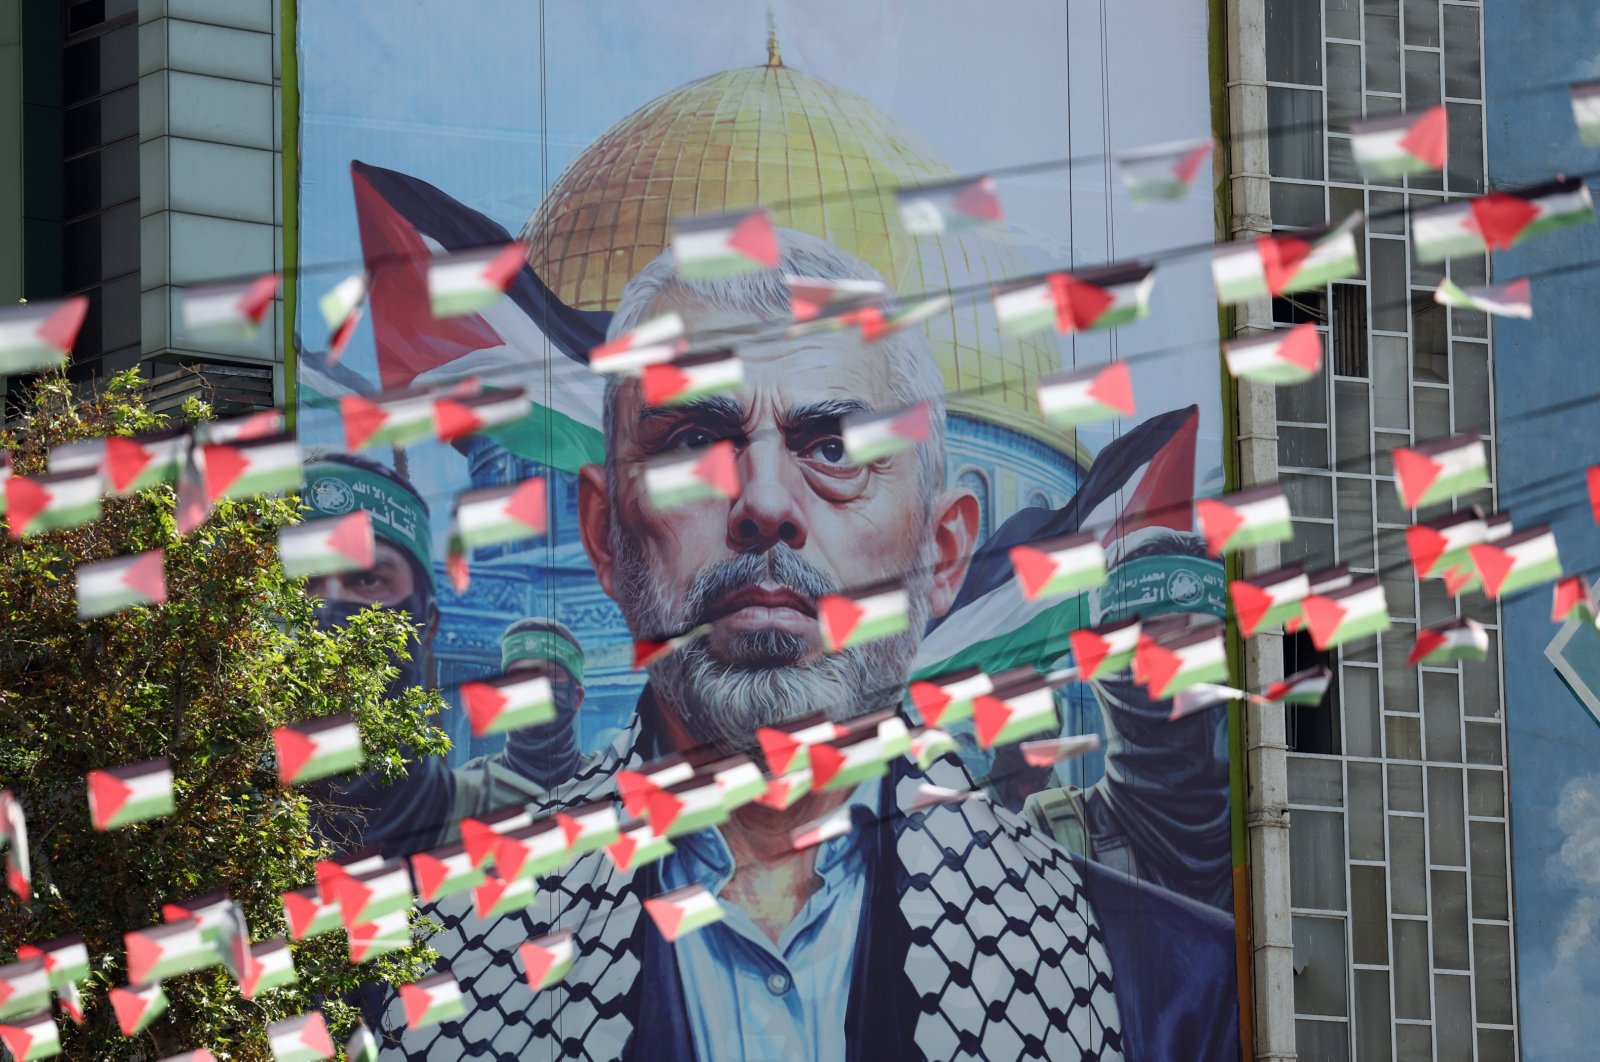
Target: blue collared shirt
(750, 998)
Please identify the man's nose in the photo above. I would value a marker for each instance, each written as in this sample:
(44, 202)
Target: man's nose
(767, 511)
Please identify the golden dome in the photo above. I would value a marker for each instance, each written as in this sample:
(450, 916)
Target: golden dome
(825, 162)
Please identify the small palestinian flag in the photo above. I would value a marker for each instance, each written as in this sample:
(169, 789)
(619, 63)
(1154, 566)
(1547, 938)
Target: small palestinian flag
(1441, 545)
(55, 500)
(1514, 299)
(1445, 643)
(589, 827)
(458, 561)
(724, 245)
(1172, 663)
(1075, 302)
(686, 807)
(232, 310)
(328, 545)
(137, 1007)
(785, 791)
(379, 937)
(509, 702)
(1058, 567)
(24, 987)
(1087, 396)
(132, 464)
(1320, 583)
(1270, 599)
(929, 744)
(547, 960)
(870, 437)
(138, 792)
(455, 417)
(877, 324)
(212, 912)
(14, 834)
(301, 1039)
(863, 752)
(1359, 610)
(1021, 706)
(683, 911)
(1280, 358)
(271, 965)
(1586, 111)
(1200, 697)
(69, 997)
(739, 780)
(1286, 262)
(1105, 650)
(1047, 752)
(331, 871)
(1441, 469)
(107, 586)
(1401, 145)
(168, 950)
(393, 418)
(636, 845)
(868, 615)
(363, 1046)
(655, 342)
(698, 475)
(31, 1037)
(1573, 600)
(502, 514)
(469, 281)
(39, 336)
(934, 209)
(1257, 516)
(432, 1000)
(1517, 561)
(784, 747)
(307, 915)
(691, 377)
(531, 851)
(371, 894)
(839, 822)
(66, 959)
(1499, 220)
(480, 836)
(256, 425)
(198, 1055)
(315, 749)
(813, 297)
(1304, 689)
(444, 872)
(647, 652)
(77, 456)
(341, 311)
(635, 787)
(1162, 173)
(949, 698)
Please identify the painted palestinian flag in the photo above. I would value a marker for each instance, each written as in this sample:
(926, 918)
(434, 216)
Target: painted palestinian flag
(1280, 358)
(14, 835)
(683, 911)
(232, 310)
(870, 437)
(698, 475)
(444, 872)
(1163, 173)
(863, 752)
(686, 807)
(647, 652)
(168, 950)
(1586, 111)
(636, 845)
(1170, 663)
(865, 616)
(137, 792)
(1517, 561)
(1304, 689)
(469, 281)
(1400, 145)
(341, 311)
(814, 297)
(363, 1046)
(1199, 697)
(31, 1037)
(379, 937)
(546, 960)
(432, 1000)
(1075, 302)
(1514, 299)
(24, 987)
(1285, 262)
(783, 792)
(1046, 752)
(929, 744)
(1359, 610)
(1270, 599)
(946, 699)
(132, 464)
(635, 787)
(950, 206)
(455, 417)
(839, 822)
(531, 851)
(271, 965)
(724, 245)
(394, 418)
(1059, 566)
(481, 836)
(1087, 396)
(1256, 516)
(1441, 469)
(318, 748)
(66, 959)
(109, 585)
(301, 1039)
(307, 915)
(1499, 220)
(371, 894)
(502, 514)
(655, 342)
(1445, 643)
(739, 780)
(509, 702)
(1105, 650)
(55, 500)
(589, 827)
(784, 747)
(1023, 705)
(691, 377)
(137, 1007)
(40, 336)
(328, 545)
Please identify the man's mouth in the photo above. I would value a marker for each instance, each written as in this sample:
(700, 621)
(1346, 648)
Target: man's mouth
(758, 607)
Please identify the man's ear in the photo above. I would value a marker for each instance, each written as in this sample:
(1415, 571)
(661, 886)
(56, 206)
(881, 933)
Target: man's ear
(594, 522)
(955, 535)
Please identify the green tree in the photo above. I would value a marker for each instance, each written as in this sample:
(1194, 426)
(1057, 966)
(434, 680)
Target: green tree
(203, 679)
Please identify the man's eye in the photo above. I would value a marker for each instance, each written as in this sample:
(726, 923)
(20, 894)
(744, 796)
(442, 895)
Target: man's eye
(828, 451)
(692, 439)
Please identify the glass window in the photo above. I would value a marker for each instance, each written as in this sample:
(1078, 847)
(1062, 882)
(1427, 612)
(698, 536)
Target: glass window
(1355, 522)
(1441, 717)
(1466, 147)
(1306, 401)
(1294, 42)
(1347, 330)
(1315, 781)
(1322, 1041)
(1447, 835)
(1302, 447)
(1486, 793)
(1422, 80)
(1430, 343)
(1369, 916)
(1351, 427)
(1391, 398)
(119, 300)
(1366, 811)
(1399, 679)
(1342, 202)
(1372, 1015)
(1426, 275)
(1344, 19)
(1319, 985)
(1433, 412)
(1483, 682)
(1344, 85)
(1359, 696)
(1389, 285)
(1342, 161)
(1403, 737)
(1405, 788)
(1483, 743)
(1491, 949)
(1454, 996)
(1297, 205)
(1388, 214)
(1308, 495)
(1434, 601)
(1408, 869)
(1316, 858)
(1416, 1041)
(1482, 609)
(1294, 137)
(1469, 269)
(1489, 870)
(1383, 45)
(1410, 971)
(1394, 562)
(1312, 545)
(1463, 70)
(1422, 23)
(1450, 944)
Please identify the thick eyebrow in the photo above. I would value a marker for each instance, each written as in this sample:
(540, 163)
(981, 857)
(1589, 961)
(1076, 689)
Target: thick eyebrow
(821, 416)
(713, 411)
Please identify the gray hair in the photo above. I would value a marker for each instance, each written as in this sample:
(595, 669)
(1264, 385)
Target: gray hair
(764, 296)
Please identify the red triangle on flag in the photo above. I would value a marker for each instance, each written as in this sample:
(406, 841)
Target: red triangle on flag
(352, 538)
(258, 296)
(874, 325)
(1078, 305)
(431, 873)
(664, 809)
(1188, 164)
(484, 704)
(17, 883)
(362, 419)
(1322, 618)
(914, 424)
(1568, 593)
(223, 466)
(1281, 258)
(503, 268)
(977, 200)
(990, 715)
(1500, 217)
(1426, 546)
(537, 962)
(756, 239)
(1493, 564)
(1427, 642)
(1113, 386)
(1218, 522)
(300, 911)
(18, 1040)
(634, 789)
(1415, 473)
(780, 748)
(143, 955)
(1088, 650)
(1302, 347)
(452, 420)
(527, 505)
(25, 500)
(315, 1033)
(826, 763)
(458, 565)
(1594, 491)
(1456, 578)
(1157, 666)
(415, 1000)
(7, 990)
(129, 1007)
(109, 794)
(931, 700)
(662, 383)
(718, 468)
(60, 329)
(509, 855)
(294, 752)
(125, 460)
(342, 335)
(1428, 138)
(352, 896)
(479, 839)
(621, 851)
(667, 916)
(1250, 604)
(1034, 569)
(147, 576)
(838, 616)
(646, 652)
(571, 828)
